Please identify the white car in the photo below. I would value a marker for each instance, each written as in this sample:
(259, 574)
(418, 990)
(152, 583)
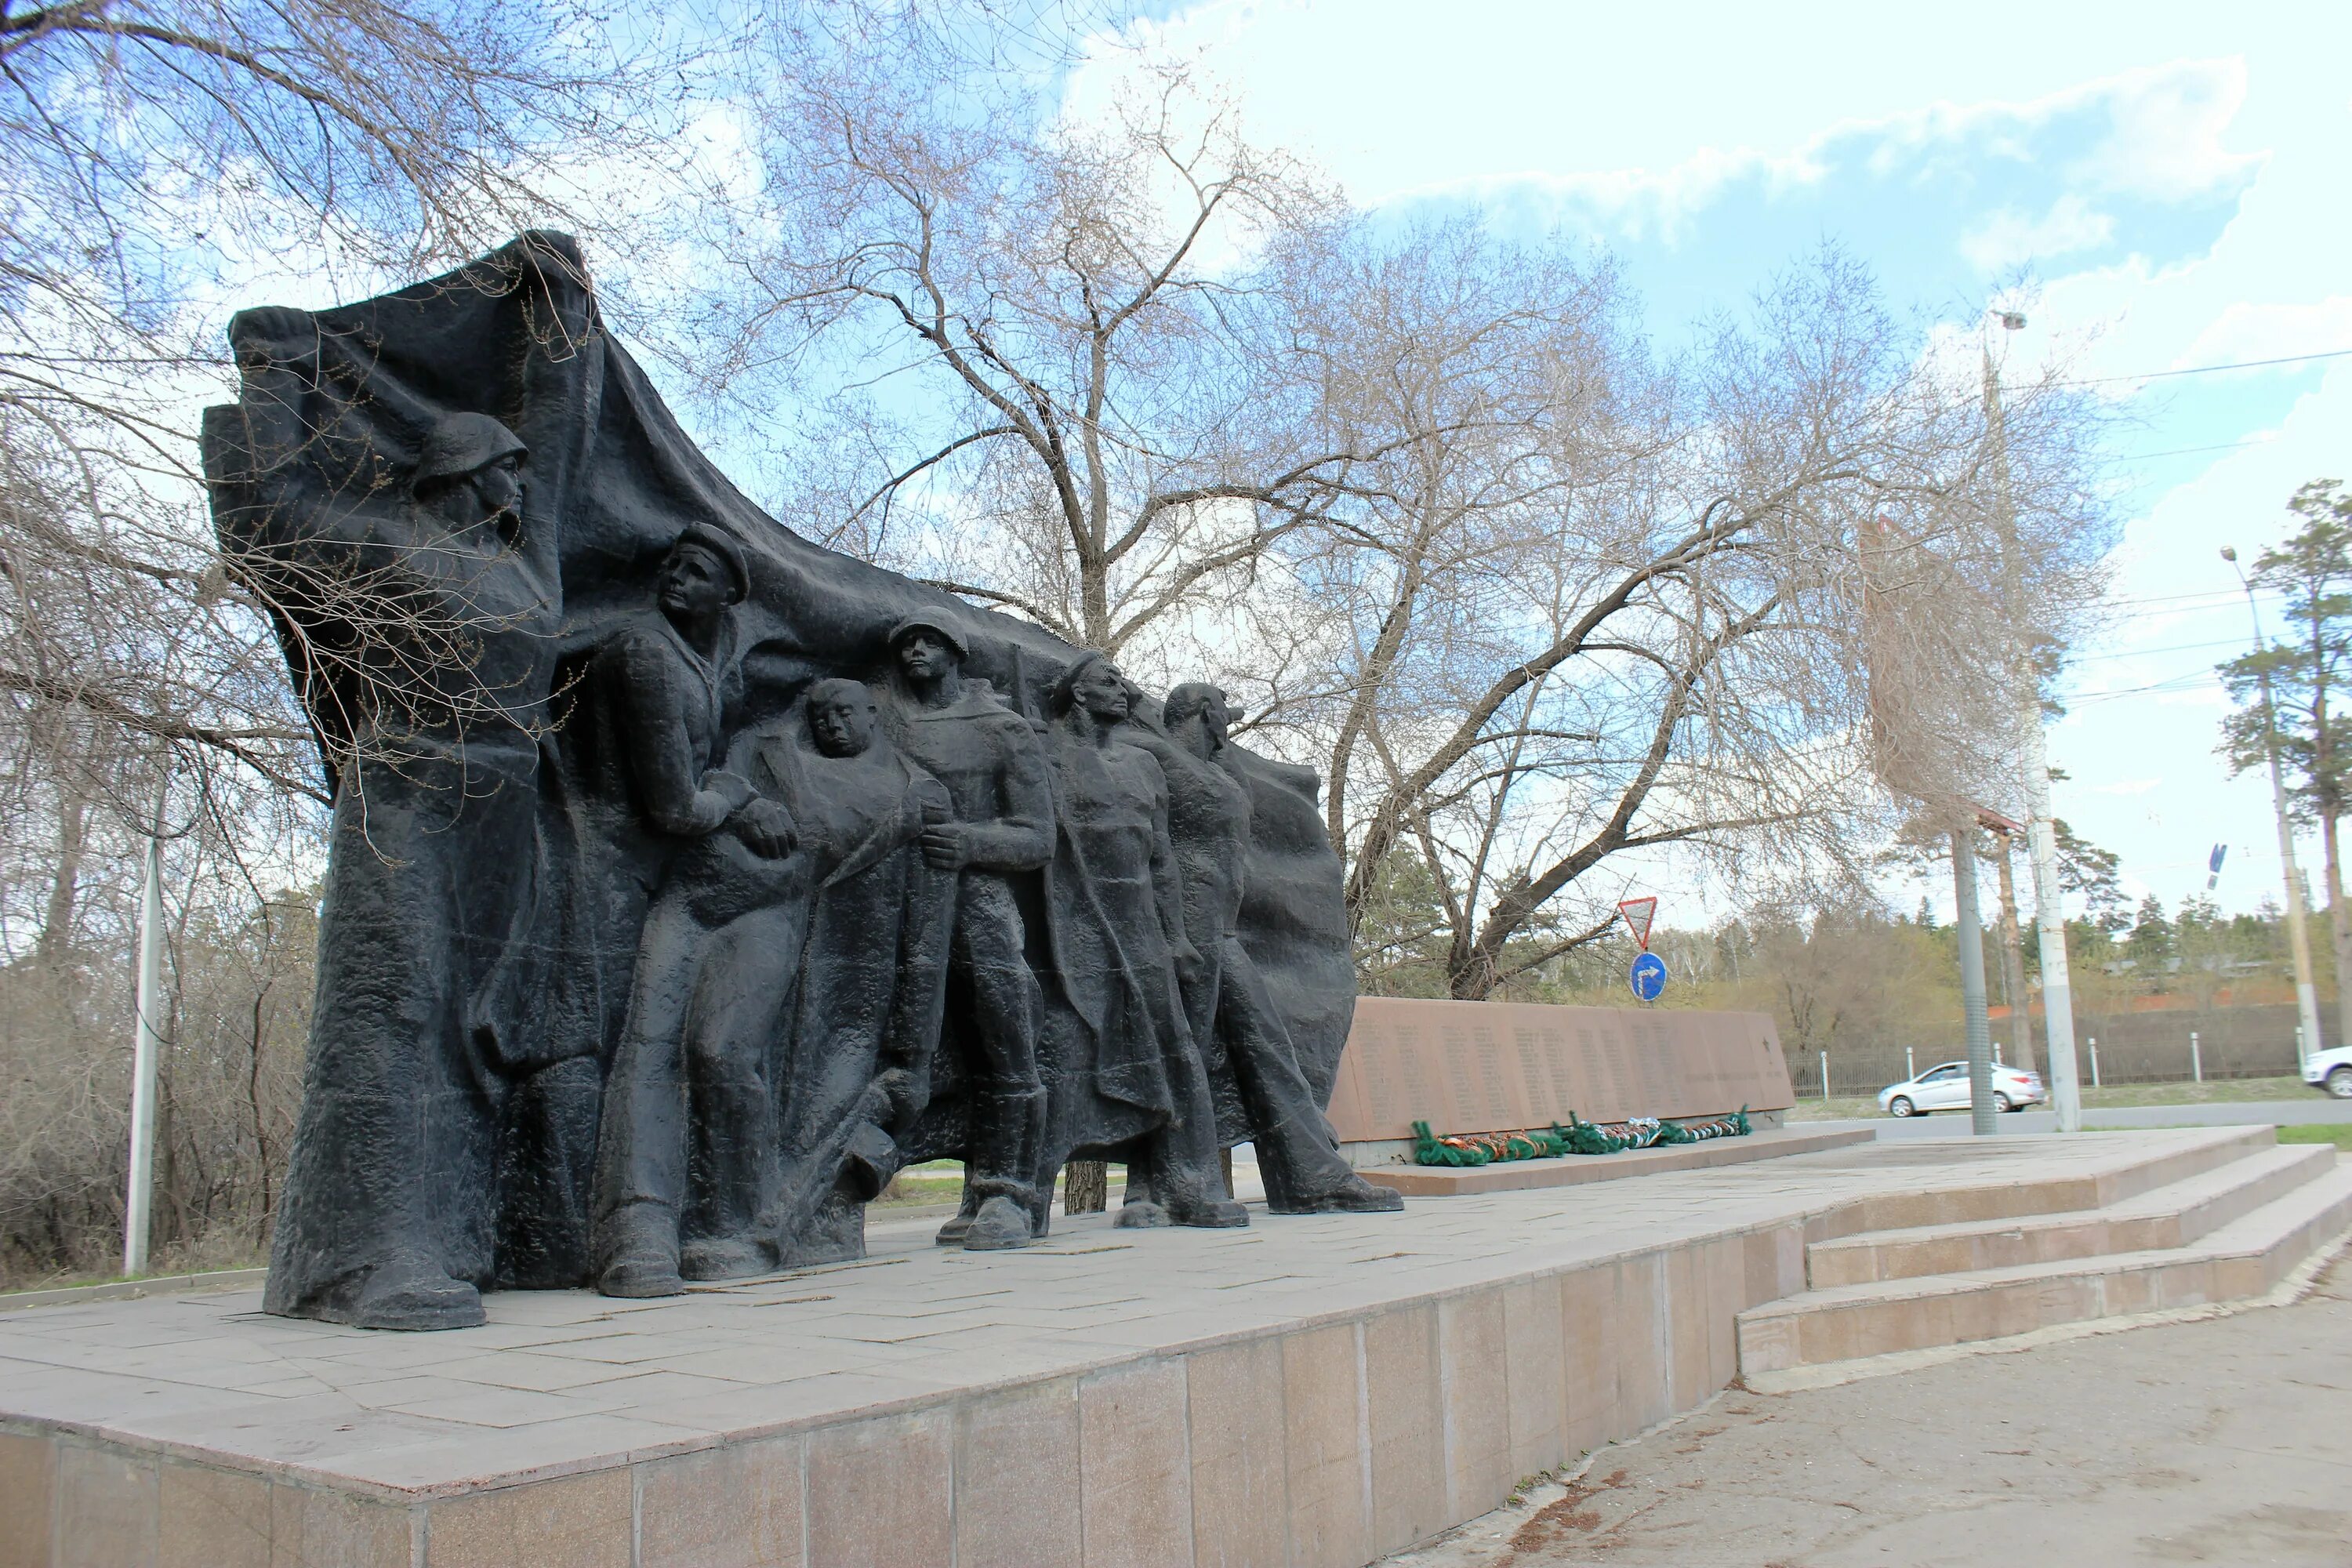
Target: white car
(1945, 1087)
(2331, 1071)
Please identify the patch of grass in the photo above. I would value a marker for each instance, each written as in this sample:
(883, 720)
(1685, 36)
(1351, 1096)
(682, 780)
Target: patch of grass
(2336, 1133)
(2113, 1097)
(909, 1187)
(202, 1260)
(2212, 1091)
(1837, 1108)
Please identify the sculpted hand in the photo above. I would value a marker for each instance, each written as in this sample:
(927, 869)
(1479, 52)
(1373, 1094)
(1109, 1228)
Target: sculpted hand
(897, 1086)
(946, 846)
(767, 829)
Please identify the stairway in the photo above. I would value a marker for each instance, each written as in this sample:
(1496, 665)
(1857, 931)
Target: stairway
(2221, 1222)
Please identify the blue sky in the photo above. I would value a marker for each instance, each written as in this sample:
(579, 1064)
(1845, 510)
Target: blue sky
(2173, 178)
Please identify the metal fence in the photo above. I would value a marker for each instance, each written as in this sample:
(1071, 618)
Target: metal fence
(2133, 1048)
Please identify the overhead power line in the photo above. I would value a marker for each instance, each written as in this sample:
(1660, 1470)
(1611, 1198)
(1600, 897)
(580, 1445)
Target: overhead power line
(2168, 647)
(2207, 369)
(2187, 451)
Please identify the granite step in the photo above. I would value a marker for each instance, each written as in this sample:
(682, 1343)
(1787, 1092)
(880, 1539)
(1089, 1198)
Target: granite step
(2169, 1216)
(2234, 1261)
(1962, 1204)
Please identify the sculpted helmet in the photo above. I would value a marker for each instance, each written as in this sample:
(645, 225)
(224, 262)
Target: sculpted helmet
(937, 627)
(462, 444)
(730, 554)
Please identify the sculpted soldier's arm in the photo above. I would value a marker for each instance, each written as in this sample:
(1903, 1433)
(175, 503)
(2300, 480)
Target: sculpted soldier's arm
(661, 757)
(1167, 883)
(1022, 839)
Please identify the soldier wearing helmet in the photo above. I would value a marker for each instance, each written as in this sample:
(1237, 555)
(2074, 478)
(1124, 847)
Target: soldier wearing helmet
(431, 694)
(994, 770)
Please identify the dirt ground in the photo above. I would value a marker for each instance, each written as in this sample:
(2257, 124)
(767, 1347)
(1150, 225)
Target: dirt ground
(2226, 1441)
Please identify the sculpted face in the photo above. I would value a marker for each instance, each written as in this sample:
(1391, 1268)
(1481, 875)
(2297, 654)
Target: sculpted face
(924, 656)
(841, 720)
(1199, 702)
(1101, 691)
(499, 486)
(694, 582)
(1217, 717)
(490, 494)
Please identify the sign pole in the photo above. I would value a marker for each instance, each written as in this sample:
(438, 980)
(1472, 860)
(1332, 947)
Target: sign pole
(1981, 1114)
(146, 1046)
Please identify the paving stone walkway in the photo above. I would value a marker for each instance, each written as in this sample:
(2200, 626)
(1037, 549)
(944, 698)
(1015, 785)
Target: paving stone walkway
(2227, 1441)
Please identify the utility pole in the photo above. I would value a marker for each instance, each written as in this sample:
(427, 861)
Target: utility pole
(1983, 1119)
(2012, 950)
(2041, 829)
(146, 1045)
(2306, 992)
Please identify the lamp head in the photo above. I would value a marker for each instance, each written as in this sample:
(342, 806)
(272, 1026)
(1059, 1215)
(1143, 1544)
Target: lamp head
(2229, 554)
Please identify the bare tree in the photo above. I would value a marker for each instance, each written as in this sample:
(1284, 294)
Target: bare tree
(1599, 604)
(1072, 387)
(160, 149)
(165, 159)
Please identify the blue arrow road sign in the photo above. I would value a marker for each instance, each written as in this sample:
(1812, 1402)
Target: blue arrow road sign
(1649, 976)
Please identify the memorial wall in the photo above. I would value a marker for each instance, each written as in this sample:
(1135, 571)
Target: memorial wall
(1494, 1067)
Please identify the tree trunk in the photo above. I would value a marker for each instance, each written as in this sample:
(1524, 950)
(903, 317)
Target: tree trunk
(2339, 927)
(2012, 960)
(57, 920)
(1086, 1188)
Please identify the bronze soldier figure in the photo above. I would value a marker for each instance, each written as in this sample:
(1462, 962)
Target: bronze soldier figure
(1115, 907)
(872, 974)
(425, 947)
(989, 759)
(669, 682)
(1225, 1002)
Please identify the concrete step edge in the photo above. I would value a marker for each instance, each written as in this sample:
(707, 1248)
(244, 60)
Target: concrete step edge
(2199, 1202)
(2296, 1283)
(2243, 1260)
(2029, 1198)
(2250, 1236)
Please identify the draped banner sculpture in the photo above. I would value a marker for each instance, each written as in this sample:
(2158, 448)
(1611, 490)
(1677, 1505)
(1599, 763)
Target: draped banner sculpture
(687, 879)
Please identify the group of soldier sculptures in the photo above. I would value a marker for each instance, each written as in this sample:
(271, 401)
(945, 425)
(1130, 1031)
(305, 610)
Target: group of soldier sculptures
(890, 900)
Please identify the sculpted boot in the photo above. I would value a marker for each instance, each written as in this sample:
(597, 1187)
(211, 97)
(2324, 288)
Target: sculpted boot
(1002, 1223)
(1182, 1191)
(636, 1252)
(1013, 1125)
(408, 1293)
(1353, 1194)
(1329, 1185)
(952, 1233)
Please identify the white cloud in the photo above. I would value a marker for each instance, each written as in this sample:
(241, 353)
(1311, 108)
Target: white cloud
(2009, 238)
(2273, 330)
(2167, 140)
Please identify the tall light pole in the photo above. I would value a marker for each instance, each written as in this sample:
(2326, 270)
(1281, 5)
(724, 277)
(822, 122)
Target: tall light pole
(2041, 826)
(1975, 1029)
(2306, 994)
(146, 1047)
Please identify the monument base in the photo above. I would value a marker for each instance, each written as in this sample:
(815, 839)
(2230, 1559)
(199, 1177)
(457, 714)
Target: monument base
(1314, 1389)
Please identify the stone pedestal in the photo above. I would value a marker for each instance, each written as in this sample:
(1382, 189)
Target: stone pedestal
(1321, 1396)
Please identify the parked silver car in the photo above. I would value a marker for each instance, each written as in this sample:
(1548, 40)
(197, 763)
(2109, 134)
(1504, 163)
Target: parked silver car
(1945, 1087)
(2330, 1071)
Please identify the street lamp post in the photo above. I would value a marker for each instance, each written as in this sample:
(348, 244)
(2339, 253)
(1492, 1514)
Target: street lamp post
(2306, 992)
(2040, 826)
